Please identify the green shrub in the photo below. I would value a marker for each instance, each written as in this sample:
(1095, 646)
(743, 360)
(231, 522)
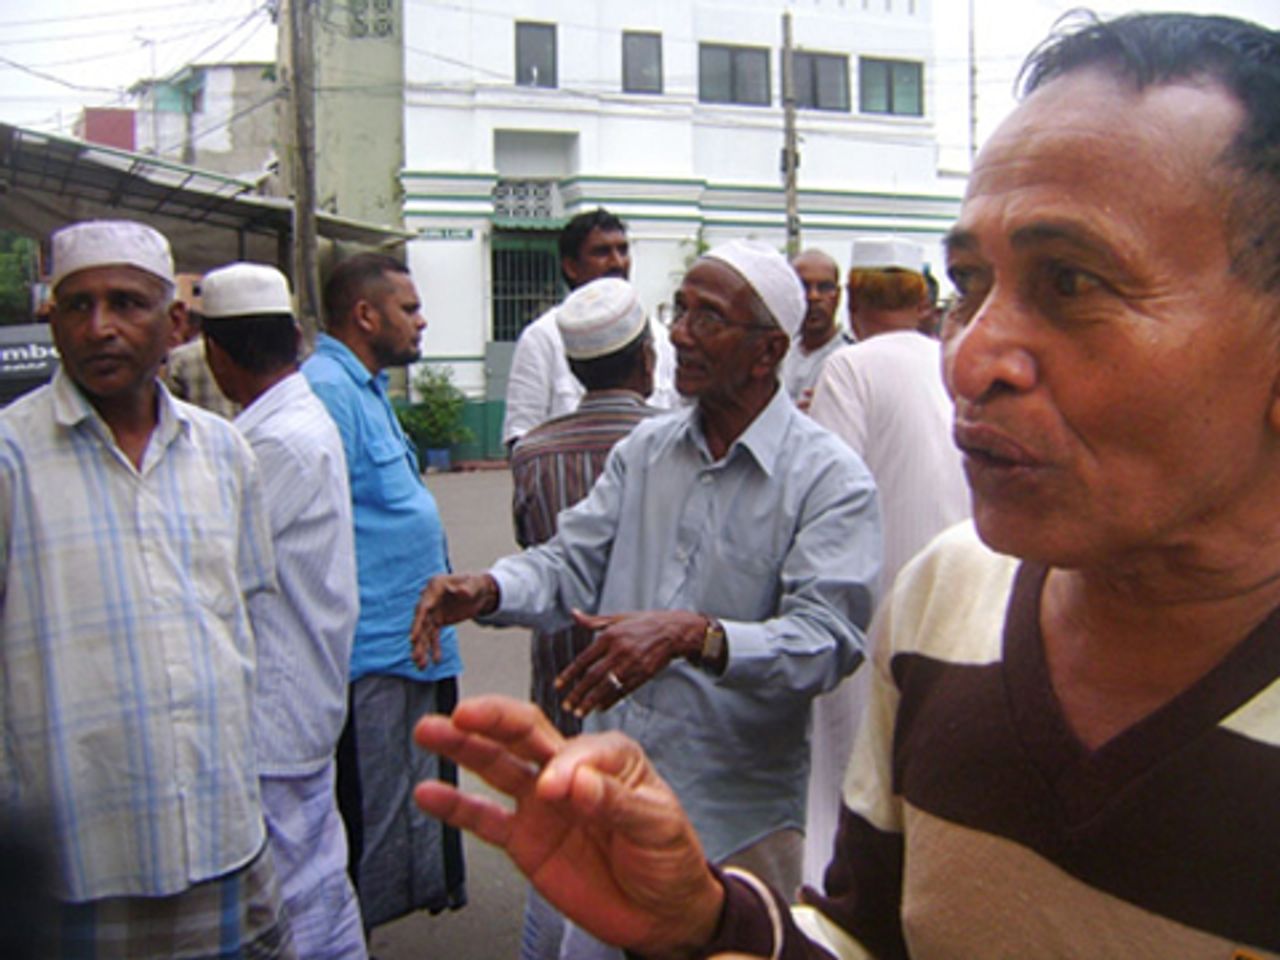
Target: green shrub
(434, 420)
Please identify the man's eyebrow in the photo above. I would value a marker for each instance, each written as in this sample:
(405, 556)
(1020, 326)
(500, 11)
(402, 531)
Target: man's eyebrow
(958, 240)
(1057, 232)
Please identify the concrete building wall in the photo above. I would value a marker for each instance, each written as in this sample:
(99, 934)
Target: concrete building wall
(219, 117)
(681, 172)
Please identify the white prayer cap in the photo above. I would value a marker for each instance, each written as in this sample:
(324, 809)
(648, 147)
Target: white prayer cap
(244, 289)
(111, 243)
(599, 318)
(887, 253)
(770, 276)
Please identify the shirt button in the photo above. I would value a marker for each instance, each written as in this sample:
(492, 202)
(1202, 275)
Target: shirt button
(705, 478)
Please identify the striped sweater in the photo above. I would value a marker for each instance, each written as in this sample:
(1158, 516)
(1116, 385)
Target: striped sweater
(977, 826)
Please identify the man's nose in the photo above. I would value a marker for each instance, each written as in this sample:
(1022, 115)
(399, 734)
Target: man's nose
(991, 351)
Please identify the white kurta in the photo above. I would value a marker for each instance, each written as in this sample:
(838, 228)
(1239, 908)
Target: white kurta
(883, 396)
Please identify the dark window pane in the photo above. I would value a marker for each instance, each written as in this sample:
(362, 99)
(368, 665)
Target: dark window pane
(832, 83)
(822, 81)
(891, 86)
(906, 90)
(873, 86)
(751, 77)
(536, 54)
(642, 62)
(714, 74)
(802, 72)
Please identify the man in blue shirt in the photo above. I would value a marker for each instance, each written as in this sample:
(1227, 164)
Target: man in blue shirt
(402, 860)
(725, 558)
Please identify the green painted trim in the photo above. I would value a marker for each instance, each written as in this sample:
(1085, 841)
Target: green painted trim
(452, 197)
(940, 230)
(446, 175)
(483, 216)
(647, 201)
(818, 191)
(591, 178)
(666, 217)
(779, 224)
(803, 212)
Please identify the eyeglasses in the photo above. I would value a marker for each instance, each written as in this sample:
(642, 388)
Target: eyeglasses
(826, 288)
(705, 323)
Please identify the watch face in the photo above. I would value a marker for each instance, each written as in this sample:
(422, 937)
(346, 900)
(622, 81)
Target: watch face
(713, 642)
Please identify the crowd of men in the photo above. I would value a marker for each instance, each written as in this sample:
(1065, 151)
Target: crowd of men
(773, 655)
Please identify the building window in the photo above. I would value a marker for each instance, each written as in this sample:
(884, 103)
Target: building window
(733, 74)
(642, 62)
(822, 81)
(891, 86)
(536, 54)
(526, 279)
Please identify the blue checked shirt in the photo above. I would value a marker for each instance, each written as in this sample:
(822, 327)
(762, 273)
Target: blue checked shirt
(126, 658)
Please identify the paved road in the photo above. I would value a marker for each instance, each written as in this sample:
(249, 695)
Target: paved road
(476, 507)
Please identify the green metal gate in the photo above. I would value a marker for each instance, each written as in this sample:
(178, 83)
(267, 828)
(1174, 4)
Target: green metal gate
(526, 279)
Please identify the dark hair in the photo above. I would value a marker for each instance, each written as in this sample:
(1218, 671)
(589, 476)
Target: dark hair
(613, 369)
(1244, 58)
(357, 278)
(575, 232)
(259, 344)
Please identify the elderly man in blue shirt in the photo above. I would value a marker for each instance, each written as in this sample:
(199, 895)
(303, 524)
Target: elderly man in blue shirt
(726, 558)
(403, 860)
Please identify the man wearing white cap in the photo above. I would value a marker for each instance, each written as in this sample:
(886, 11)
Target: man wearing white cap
(304, 632)
(610, 351)
(134, 532)
(726, 558)
(885, 398)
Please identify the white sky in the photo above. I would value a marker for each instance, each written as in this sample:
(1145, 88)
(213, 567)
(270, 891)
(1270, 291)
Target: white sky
(59, 55)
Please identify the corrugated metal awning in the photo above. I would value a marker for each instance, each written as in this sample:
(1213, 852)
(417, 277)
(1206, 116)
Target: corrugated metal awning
(47, 181)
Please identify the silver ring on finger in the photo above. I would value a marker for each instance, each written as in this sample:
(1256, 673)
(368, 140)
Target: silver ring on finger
(617, 684)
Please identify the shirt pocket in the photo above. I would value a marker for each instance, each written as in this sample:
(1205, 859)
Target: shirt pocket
(392, 472)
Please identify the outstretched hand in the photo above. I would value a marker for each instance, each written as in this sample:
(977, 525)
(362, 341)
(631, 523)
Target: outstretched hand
(628, 651)
(448, 598)
(595, 828)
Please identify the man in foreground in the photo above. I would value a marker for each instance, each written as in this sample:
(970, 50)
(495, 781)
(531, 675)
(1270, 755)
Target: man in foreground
(303, 632)
(134, 536)
(404, 860)
(723, 558)
(1070, 749)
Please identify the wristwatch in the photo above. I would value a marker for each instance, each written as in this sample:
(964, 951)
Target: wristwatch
(713, 647)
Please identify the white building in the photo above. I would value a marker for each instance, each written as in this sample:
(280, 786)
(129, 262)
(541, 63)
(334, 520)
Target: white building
(521, 113)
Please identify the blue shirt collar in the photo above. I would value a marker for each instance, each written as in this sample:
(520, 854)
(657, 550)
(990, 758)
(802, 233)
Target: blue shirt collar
(763, 437)
(338, 351)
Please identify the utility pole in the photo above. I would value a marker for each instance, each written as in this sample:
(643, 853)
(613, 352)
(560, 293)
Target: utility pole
(973, 90)
(790, 155)
(302, 88)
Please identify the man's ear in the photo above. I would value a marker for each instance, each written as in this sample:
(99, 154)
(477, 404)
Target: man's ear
(1273, 412)
(220, 365)
(366, 316)
(179, 318)
(571, 270)
(775, 346)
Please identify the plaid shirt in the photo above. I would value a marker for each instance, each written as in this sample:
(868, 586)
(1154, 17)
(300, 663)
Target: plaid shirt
(553, 467)
(126, 652)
